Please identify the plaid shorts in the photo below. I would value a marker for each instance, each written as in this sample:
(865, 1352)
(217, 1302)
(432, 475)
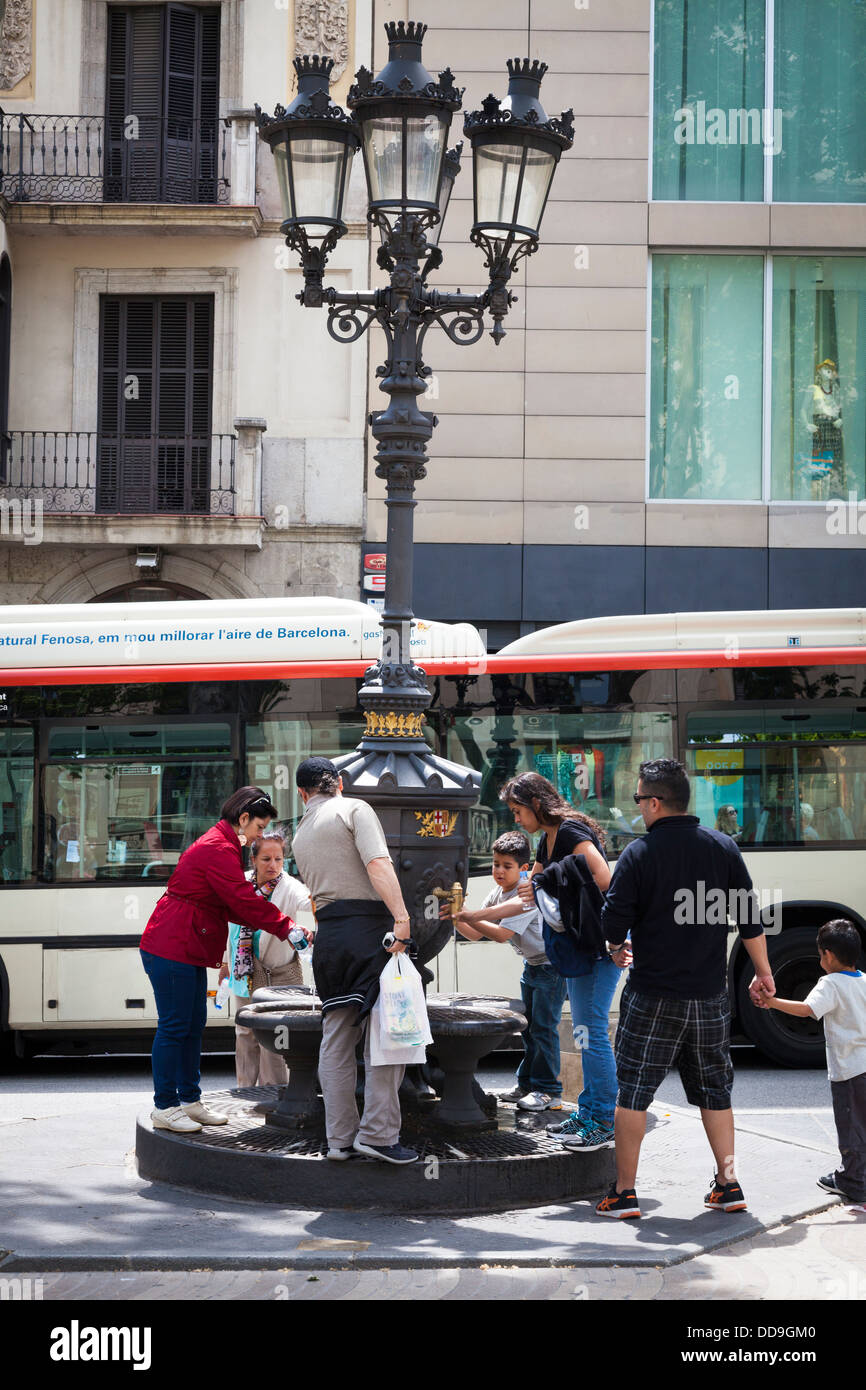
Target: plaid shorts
(655, 1034)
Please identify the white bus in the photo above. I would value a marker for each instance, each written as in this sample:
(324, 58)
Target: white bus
(123, 727)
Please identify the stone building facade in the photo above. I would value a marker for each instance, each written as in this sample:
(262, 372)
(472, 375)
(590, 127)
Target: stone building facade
(284, 432)
(649, 435)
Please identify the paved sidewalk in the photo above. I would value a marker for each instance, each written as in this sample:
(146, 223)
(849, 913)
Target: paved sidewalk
(819, 1258)
(71, 1199)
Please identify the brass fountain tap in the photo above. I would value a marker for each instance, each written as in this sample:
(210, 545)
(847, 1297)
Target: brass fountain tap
(454, 895)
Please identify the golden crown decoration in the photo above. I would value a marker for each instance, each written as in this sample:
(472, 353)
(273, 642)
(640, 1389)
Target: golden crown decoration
(393, 725)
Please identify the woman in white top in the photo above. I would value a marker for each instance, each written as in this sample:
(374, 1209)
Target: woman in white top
(256, 959)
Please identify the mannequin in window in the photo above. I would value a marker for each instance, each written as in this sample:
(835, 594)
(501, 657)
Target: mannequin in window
(822, 416)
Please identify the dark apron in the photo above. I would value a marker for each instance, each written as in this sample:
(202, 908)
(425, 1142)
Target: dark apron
(348, 956)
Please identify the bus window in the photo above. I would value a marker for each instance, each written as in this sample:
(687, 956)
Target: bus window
(123, 820)
(276, 746)
(592, 759)
(780, 777)
(16, 805)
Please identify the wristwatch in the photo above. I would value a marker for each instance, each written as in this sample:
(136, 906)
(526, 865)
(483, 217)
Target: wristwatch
(389, 940)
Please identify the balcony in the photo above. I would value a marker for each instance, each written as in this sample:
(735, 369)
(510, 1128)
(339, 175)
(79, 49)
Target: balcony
(172, 175)
(92, 488)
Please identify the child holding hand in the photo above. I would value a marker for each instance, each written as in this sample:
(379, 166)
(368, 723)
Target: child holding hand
(840, 1000)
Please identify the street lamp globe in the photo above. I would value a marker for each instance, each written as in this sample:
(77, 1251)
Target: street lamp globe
(404, 116)
(313, 143)
(516, 148)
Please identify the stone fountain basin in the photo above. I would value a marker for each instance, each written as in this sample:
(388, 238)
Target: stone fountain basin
(465, 1166)
(287, 1020)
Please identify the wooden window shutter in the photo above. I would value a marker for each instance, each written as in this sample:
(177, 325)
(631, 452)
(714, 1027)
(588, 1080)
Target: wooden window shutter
(156, 370)
(162, 68)
(135, 89)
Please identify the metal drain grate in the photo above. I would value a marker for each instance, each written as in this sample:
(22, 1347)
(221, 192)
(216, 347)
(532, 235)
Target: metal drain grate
(247, 1132)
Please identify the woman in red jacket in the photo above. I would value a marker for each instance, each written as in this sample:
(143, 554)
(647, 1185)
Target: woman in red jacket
(187, 932)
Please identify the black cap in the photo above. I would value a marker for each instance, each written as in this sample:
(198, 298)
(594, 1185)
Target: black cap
(313, 772)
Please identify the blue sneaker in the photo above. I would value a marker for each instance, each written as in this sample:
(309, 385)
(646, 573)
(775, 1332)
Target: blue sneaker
(596, 1136)
(575, 1124)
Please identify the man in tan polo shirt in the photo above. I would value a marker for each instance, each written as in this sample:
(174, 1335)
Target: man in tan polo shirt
(342, 856)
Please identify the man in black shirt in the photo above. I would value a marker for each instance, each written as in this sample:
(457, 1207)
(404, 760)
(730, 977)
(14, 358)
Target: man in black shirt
(674, 890)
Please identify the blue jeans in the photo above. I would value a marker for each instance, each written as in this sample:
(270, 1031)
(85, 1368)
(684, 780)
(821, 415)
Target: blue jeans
(543, 992)
(590, 997)
(180, 991)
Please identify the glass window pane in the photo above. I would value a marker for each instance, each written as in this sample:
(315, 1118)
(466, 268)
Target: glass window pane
(820, 89)
(497, 169)
(425, 150)
(317, 170)
(16, 805)
(819, 367)
(276, 746)
(536, 181)
(128, 820)
(384, 143)
(774, 794)
(130, 740)
(592, 759)
(706, 377)
(708, 120)
(776, 725)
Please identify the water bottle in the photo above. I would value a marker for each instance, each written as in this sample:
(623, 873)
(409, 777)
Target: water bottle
(298, 939)
(222, 994)
(524, 875)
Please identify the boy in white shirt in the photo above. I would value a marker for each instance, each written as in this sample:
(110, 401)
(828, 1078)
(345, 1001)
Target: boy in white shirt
(840, 1000)
(543, 989)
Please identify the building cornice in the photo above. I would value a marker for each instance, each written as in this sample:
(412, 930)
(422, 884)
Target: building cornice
(153, 219)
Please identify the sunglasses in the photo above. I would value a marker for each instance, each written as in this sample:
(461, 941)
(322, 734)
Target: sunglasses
(646, 796)
(260, 801)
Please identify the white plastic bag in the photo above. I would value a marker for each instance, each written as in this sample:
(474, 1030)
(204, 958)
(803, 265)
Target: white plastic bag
(399, 1027)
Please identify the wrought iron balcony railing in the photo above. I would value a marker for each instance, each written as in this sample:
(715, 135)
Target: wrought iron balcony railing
(90, 159)
(79, 471)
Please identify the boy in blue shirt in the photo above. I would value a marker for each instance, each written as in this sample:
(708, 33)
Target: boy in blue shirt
(542, 988)
(840, 1000)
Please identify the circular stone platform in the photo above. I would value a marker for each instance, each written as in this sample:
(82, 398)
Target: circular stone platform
(247, 1160)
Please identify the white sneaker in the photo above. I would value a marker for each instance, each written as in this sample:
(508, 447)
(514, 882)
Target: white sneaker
(196, 1111)
(175, 1119)
(540, 1100)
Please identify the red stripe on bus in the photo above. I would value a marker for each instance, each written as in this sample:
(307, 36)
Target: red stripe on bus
(439, 666)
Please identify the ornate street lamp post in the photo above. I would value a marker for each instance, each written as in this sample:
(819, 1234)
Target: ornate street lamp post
(401, 121)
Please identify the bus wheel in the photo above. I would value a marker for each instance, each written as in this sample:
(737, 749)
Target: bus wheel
(793, 1042)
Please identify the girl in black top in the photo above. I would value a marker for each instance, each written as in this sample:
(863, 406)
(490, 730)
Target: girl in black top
(537, 805)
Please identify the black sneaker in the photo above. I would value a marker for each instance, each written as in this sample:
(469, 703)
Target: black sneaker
(725, 1196)
(618, 1204)
(830, 1184)
(389, 1153)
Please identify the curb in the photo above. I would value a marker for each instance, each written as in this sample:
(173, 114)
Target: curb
(370, 1260)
